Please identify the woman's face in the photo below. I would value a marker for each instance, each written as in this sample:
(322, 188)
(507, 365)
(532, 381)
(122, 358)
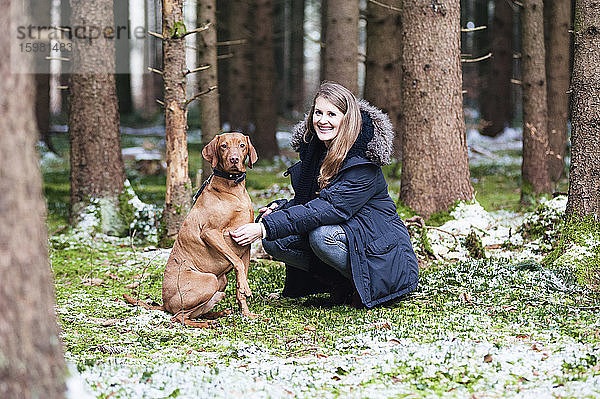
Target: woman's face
(326, 120)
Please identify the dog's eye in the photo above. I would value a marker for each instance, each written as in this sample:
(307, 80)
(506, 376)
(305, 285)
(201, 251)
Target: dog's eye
(223, 145)
(242, 145)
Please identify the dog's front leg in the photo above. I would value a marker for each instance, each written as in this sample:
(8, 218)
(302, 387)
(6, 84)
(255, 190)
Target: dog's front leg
(215, 240)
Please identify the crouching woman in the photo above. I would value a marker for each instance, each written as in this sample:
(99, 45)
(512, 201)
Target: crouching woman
(340, 233)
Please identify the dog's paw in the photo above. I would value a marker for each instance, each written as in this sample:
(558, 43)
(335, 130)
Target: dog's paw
(244, 289)
(251, 315)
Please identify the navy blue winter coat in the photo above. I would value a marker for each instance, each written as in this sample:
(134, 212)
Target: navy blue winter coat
(382, 260)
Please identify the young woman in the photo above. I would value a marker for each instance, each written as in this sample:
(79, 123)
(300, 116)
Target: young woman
(340, 233)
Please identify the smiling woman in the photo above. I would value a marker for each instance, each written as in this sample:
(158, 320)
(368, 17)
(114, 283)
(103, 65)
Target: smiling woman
(340, 233)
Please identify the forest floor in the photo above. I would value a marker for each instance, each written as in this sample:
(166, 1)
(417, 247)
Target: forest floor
(499, 326)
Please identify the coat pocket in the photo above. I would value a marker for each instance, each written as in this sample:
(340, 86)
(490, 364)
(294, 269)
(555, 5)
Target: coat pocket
(383, 244)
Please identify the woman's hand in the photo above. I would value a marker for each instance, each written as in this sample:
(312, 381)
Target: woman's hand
(246, 234)
(264, 211)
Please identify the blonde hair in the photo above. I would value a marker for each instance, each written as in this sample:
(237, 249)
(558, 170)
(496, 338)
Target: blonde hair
(349, 128)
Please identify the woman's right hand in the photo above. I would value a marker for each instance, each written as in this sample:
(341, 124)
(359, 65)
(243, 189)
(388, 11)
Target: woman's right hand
(264, 211)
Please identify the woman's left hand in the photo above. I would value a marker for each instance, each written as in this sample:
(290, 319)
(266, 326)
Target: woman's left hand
(246, 234)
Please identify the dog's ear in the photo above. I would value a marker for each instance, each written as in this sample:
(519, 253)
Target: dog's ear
(209, 152)
(251, 153)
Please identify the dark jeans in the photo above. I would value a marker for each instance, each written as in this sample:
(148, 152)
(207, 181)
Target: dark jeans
(329, 243)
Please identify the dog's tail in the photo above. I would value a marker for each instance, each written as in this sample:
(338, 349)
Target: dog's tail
(143, 304)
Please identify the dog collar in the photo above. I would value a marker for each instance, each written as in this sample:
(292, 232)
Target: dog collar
(236, 177)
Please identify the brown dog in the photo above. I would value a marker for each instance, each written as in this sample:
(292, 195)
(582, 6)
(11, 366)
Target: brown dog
(195, 275)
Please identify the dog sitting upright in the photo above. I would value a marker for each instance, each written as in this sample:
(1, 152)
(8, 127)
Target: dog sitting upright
(195, 275)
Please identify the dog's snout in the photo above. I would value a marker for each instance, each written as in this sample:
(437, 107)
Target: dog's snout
(234, 159)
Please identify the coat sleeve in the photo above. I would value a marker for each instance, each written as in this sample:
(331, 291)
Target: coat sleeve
(335, 204)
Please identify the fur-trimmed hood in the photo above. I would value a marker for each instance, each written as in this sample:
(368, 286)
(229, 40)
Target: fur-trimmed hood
(379, 147)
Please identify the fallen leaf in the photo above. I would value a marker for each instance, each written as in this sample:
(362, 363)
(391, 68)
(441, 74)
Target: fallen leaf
(487, 358)
(321, 355)
(92, 281)
(133, 285)
(310, 328)
(521, 336)
(394, 341)
(109, 322)
(112, 275)
(537, 347)
(466, 297)
(493, 246)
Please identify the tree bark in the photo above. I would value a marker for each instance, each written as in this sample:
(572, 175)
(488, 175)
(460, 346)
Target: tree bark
(32, 363)
(122, 58)
(97, 171)
(435, 171)
(496, 107)
(178, 194)
(296, 76)
(536, 179)
(240, 68)
(152, 83)
(224, 54)
(207, 55)
(264, 107)
(383, 77)
(41, 17)
(584, 188)
(341, 43)
(557, 18)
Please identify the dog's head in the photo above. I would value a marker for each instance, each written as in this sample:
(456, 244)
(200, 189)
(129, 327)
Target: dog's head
(229, 151)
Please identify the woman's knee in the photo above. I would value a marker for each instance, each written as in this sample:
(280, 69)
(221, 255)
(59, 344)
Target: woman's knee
(323, 238)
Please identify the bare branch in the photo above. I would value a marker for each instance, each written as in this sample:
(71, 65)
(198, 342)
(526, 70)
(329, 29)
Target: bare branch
(485, 57)
(473, 29)
(225, 56)
(232, 42)
(198, 95)
(155, 70)
(62, 87)
(516, 81)
(197, 30)
(161, 37)
(160, 102)
(201, 68)
(518, 3)
(389, 7)
(57, 58)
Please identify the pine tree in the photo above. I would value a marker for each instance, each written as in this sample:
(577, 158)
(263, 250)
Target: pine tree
(435, 170)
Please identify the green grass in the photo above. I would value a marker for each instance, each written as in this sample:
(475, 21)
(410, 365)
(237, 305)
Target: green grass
(491, 302)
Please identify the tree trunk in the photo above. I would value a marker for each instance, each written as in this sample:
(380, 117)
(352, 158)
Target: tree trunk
(383, 77)
(178, 195)
(296, 76)
(557, 15)
(264, 82)
(152, 83)
(341, 43)
(65, 78)
(536, 179)
(584, 188)
(224, 10)
(122, 58)
(32, 363)
(240, 68)
(207, 55)
(435, 170)
(496, 107)
(41, 17)
(97, 171)
(322, 40)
